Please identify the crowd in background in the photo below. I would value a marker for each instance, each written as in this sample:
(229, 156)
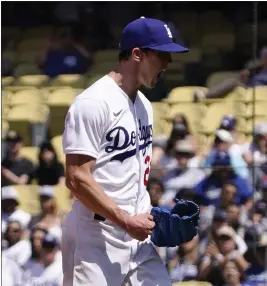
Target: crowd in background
(229, 182)
(232, 243)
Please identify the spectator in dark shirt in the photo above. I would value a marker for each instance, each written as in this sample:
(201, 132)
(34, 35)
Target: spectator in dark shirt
(50, 171)
(16, 170)
(68, 57)
(209, 189)
(155, 189)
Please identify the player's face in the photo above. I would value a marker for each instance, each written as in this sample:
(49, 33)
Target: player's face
(151, 66)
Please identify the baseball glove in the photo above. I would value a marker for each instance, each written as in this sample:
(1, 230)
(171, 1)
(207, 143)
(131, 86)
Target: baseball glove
(177, 226)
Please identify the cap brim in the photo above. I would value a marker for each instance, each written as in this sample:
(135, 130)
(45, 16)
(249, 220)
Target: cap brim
(171, 48)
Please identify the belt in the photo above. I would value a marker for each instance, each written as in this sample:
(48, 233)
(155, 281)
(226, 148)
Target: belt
(99, 217)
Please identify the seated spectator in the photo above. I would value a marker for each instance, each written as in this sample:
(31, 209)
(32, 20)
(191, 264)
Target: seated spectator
(50, 215)
(180, 131)
(16, 170)
(260, 78)
(258, 148)
(182, 176)
(155, 189)
(185, 267)
(36, 238)
(222, 143)
(217, 253)
(11, 272)
(258, 217)
(208, 231)
(246, 79)
(48, 270)
(10, 208)
(232, 275)
(256, 256)
(49, 171)
(209, 189)
(66, 57)
(16, 248)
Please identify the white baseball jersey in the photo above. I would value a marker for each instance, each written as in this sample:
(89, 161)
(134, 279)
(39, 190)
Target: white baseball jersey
(104, 123)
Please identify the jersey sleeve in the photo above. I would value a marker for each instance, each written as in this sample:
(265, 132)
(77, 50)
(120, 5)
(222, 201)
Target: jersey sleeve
(84, 127)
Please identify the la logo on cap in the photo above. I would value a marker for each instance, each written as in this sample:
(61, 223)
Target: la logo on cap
(168, 30)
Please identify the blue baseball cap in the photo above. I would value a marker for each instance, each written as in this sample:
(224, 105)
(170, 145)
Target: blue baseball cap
(228, 122)
(149, 33)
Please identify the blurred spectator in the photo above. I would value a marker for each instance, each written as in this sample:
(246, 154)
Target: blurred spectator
(257, 76)
(180, 131)
(50, 171)
(264, 191)
(222, 143)
(258, 148)
(48, 270)
(50, 215)
(258, 217)
(209, 189)
(16, 248)
(10, 208)
(232, 274)
(15, 168)
(248, 78)
(36, 238)
(155, 189)
(256, 273)
(217, 253)
(11, 272)
(185, 268)
(65, 55)
(182, 176)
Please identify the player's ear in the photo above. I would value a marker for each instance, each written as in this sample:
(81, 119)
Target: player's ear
(136, 54)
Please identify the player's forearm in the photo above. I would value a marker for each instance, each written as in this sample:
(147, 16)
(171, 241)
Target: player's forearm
(90, 193)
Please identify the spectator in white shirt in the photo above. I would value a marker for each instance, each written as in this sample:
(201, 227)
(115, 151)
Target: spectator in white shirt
(182, 176)
(11, 272)
(10, 208)
(17, 248)
(48, 271)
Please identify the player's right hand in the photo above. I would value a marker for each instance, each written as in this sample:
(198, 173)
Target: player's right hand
(140, 226)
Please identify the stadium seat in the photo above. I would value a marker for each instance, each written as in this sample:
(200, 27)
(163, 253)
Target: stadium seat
(218, 77)
(192, 111)
(7, 81)
(32, 80)
(31, 96)
(29, 56)
(183, 94)
(252, 122)
(26, 69)
(31, 45)
(72, 80)
(57, 144)
(160, 106)
(30, 153)
(222, 41)
(29, 198)
(194, 56)
(41, 31)
(11, 32)
(260, 93)
(106, 56)
(10, 55)
(22, 117)
(59, 102)
(259, 108)
(213, 115)
(103, 67)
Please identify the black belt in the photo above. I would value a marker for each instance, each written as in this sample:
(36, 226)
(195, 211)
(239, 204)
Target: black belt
(99, 217)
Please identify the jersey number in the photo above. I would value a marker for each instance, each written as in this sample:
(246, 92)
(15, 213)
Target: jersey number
(147, 171)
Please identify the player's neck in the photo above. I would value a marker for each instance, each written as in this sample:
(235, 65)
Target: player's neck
(127, 81)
